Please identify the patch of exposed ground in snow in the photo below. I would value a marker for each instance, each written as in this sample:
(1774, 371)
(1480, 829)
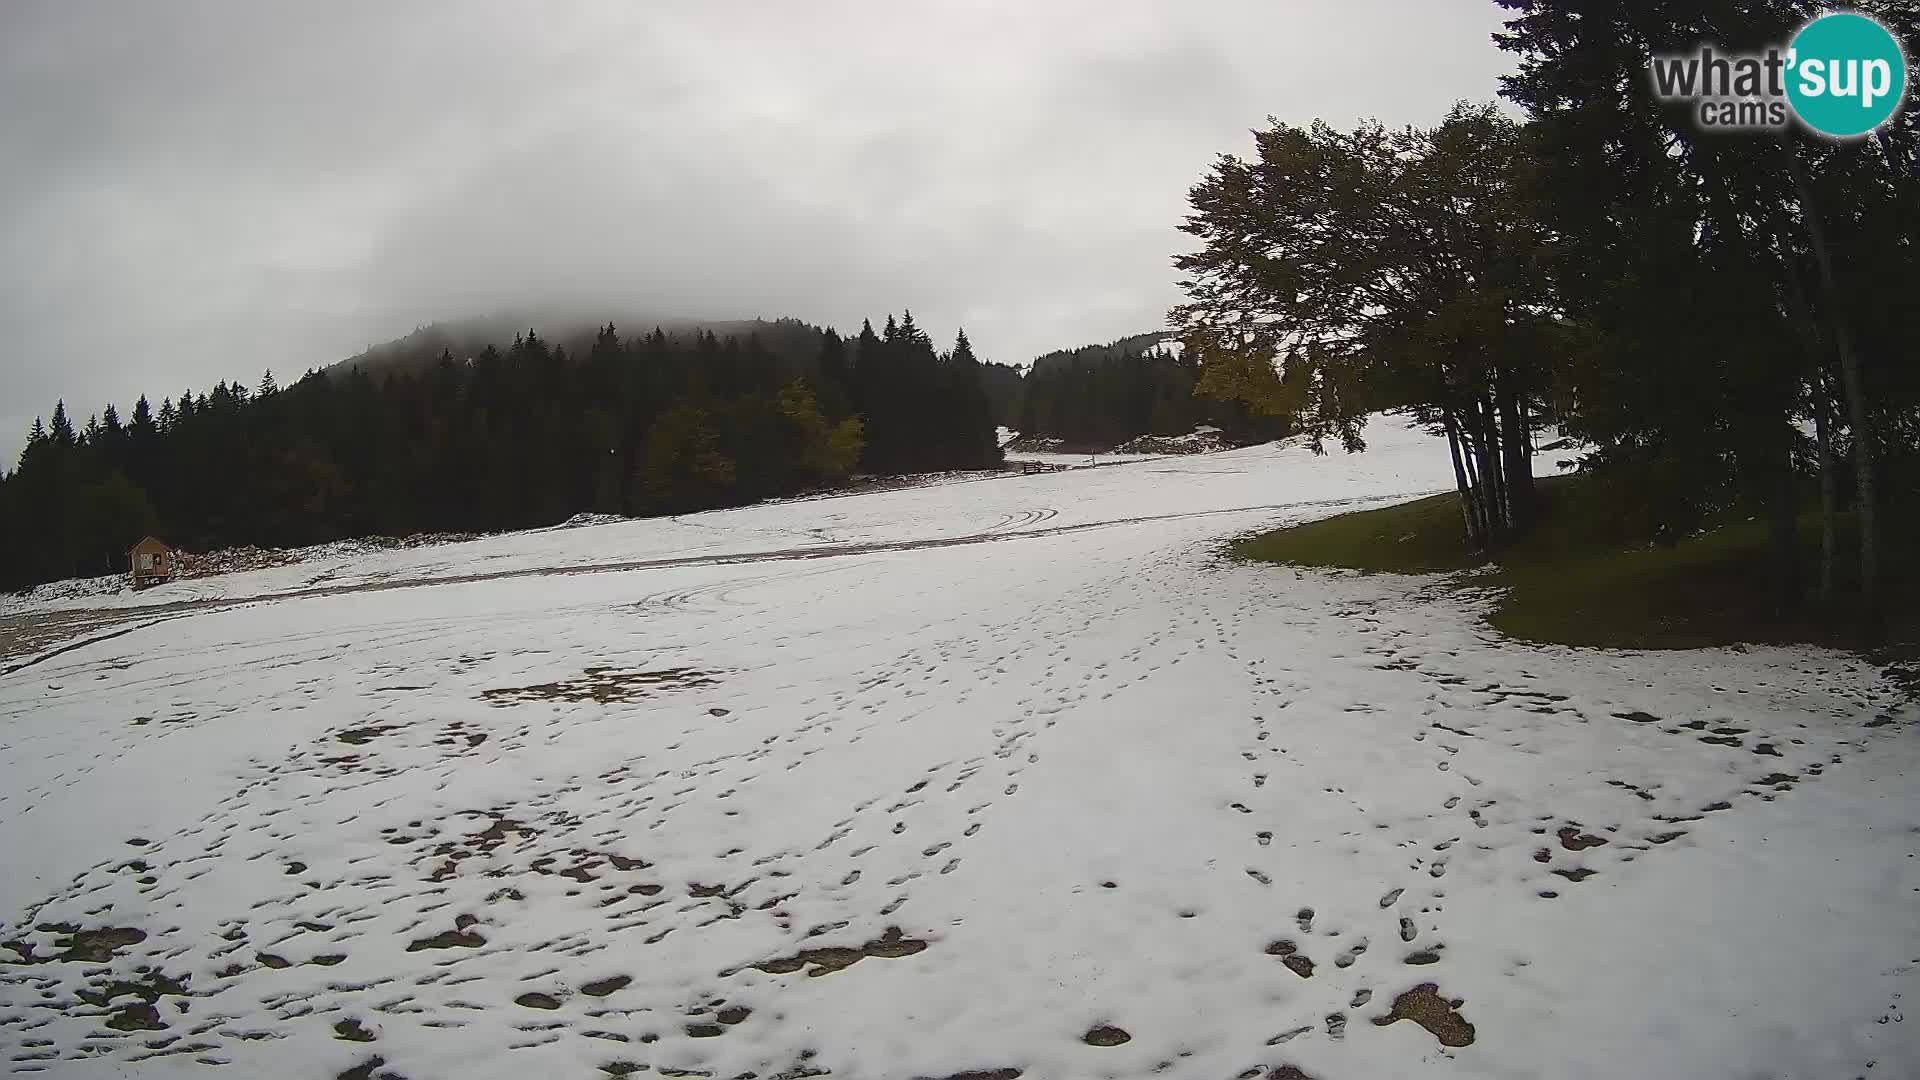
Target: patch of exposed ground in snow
(928, 783)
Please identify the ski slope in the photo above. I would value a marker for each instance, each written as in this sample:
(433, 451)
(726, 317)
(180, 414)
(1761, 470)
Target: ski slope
(1004, 777)
(1279, 476)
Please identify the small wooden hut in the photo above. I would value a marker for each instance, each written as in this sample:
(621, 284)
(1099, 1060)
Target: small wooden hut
(150, 562)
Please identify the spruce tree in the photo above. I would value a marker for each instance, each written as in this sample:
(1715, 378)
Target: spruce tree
(61, 431)
(873, 397)
(970, 425)
(834, 375)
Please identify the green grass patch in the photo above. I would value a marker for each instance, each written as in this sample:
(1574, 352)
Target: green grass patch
(1421, 537)
(1566, 583)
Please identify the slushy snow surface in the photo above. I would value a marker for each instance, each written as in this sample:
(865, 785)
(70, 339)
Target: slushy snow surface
(1012, 774)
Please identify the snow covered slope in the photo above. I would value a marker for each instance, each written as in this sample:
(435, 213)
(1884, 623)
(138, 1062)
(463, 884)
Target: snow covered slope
(1026, 777)
(1402, 462)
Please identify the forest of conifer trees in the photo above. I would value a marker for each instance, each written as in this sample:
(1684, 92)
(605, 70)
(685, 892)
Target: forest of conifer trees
(517, 436)
(1097, 396)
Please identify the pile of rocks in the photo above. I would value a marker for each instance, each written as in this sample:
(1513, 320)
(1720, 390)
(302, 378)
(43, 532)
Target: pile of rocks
(1201, 440)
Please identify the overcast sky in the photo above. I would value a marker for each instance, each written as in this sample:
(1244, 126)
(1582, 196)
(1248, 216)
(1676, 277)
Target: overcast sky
(197, 191)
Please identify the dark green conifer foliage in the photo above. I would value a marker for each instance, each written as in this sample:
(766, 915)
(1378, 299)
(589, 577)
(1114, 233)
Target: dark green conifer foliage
(489, 439)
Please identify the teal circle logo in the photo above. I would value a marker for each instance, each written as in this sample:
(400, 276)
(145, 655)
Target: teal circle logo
(1847, 75)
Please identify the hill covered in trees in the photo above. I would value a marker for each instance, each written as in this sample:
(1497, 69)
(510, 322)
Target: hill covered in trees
(794, 341)
(521, 433)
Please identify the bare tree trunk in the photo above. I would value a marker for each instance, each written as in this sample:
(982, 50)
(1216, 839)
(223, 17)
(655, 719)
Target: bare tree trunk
(1774, 439)
(1493, 488)
(1476, 539)
(1810, 343)
(1516, 450)
(1850, 383)
(1829, 489)
(1476, 489)
(1784, 528)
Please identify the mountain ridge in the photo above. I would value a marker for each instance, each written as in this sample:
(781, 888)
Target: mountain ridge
(468, 336)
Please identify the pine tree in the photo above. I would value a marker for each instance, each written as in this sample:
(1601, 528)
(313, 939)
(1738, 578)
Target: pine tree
(61, 432)
(971, 429)
(834, 375)
(872, 396)
(606, 346)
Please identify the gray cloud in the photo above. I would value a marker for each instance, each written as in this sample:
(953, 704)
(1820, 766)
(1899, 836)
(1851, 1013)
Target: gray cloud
(194, 191)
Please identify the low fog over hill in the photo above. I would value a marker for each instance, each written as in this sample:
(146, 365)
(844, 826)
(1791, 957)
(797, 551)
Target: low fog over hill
(574, 330)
